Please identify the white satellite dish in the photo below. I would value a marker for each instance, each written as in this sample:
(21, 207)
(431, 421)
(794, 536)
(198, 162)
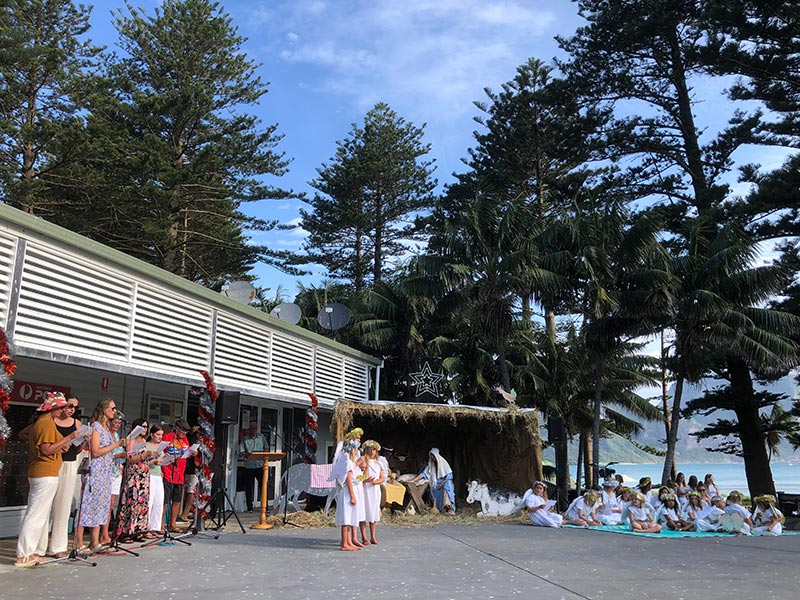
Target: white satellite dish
(241, 291)
(287, 311)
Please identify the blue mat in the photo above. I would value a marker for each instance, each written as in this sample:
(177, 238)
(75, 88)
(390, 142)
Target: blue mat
(665, 533)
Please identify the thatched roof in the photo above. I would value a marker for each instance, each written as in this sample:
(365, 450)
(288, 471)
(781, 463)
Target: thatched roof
(497, 446)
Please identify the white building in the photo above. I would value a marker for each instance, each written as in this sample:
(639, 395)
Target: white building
(97, 322)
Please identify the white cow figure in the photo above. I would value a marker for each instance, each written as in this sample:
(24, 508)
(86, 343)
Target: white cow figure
(298, 480)
(493, 502)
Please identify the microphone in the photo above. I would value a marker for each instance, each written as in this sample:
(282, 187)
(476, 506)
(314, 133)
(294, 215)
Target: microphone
(119, 415)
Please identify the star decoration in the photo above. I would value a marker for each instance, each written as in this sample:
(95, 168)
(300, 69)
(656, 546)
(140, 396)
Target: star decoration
(426, 380)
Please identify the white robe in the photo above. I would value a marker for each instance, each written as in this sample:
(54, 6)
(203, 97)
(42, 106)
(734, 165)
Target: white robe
(542, 517)
(346, 513)
(641, 514)
(738, 509)
(665, 512)
(579, 505)
(372, 493)
(606, 514)
(762, 519)
(709, 519)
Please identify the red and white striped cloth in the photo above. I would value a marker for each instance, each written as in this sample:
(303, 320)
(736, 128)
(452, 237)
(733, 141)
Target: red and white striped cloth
(320, 474)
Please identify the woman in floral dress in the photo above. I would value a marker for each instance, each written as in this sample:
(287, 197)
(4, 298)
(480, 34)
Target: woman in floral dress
(133, 522)
(96, 498)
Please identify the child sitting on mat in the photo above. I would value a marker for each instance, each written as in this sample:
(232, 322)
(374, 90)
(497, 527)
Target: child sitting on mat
(710, 517)
(582, 511)
(767, 519)
(739, 522)
(640, 516)
(669, 514)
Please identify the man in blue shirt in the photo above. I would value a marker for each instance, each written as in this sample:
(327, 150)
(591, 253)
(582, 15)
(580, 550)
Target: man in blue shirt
(253, 469)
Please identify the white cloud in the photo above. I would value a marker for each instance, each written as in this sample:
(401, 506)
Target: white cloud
(428, 58)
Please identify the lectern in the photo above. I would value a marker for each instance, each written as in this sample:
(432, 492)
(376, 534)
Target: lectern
(267, 457)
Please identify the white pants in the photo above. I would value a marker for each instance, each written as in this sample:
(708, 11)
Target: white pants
(155, 504)
(703, 525)
(62, 506)
(37, 515)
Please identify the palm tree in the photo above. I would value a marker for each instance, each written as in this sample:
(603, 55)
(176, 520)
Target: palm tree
(716, 314)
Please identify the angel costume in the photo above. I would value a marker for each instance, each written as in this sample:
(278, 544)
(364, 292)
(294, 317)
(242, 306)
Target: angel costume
(346, 513)
(579, 505)
(762, 519)
(738, 509)
(542, 517)
(372, 493)
(665, 512)
(641, 514)
(607, 514)
(440, 476)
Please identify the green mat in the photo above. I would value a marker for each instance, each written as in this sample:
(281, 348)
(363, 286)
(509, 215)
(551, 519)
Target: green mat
(665, 533)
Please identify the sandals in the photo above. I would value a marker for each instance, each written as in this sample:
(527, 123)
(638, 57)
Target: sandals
(28, 561)
(99, 549)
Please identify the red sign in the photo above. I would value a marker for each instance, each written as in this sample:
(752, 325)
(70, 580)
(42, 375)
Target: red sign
(34, 393)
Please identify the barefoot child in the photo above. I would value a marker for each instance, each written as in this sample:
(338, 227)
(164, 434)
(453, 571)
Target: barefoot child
(346, 500)
(640, 516)
(582, 511)
(740, 522)
(694, 506)
(670, 515)
(767, 519)
(374, 477)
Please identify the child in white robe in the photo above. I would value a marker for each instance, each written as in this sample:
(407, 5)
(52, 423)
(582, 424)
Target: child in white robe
(374, 477)
(624, 502)
(741, 523)
(669, 514)
(537, 506)
(767, 519)
(582, 510)
(610, 511)
(710, 518)
(694, 506)
(640, 516)
(346, 498)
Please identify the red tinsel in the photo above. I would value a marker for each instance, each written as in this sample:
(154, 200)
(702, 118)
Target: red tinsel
(206, 448)
(310, 437)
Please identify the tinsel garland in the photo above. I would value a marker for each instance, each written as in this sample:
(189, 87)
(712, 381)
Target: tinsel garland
(312, 418)
(205, 450)
(7, 369)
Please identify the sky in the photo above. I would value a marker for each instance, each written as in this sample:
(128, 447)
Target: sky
(329, 62)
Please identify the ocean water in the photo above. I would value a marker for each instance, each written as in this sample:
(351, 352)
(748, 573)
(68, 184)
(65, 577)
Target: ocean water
(728, 476)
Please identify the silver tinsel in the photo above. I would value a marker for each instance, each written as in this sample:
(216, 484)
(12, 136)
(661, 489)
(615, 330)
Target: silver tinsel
(5, 430)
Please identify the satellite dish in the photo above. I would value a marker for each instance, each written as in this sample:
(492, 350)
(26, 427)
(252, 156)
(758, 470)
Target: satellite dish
(334, 316)
(241, 291)
(287, 311)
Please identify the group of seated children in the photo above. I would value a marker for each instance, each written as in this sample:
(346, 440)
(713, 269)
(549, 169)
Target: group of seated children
(645, 512)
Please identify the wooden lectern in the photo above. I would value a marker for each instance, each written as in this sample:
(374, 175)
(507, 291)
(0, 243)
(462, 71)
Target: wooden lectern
(267, 457)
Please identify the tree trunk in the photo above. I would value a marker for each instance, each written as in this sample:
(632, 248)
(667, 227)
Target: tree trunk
(588, 459)
(598, 396)
(579, 465)
(562, 473)
(550, 324)
(672, 438)
(664, 387)
(754, 450)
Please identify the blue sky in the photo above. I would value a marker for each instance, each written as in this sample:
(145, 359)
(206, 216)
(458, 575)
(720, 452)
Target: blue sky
(329, 61)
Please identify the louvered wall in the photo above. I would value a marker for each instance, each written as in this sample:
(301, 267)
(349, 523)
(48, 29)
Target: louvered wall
(8, 247)
(329, 376)
(170, 332)
(69, 304)
(242, 353)
(292, 365)
(356, 380)
(89, 309)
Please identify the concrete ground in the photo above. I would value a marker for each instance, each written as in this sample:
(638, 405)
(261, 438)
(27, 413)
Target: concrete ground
(500, 560)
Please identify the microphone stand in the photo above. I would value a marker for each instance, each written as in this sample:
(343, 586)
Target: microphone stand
(290, 455)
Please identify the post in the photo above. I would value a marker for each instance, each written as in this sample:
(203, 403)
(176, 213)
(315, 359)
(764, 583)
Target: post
(267, 457)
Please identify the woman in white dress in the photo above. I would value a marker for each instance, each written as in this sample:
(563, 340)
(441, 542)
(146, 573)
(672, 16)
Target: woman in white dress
(767, 519)
(374, 476)
(582, 510)
(540, 511)
(712, 489)
(610, 511)
(640, 516)
(346, 499)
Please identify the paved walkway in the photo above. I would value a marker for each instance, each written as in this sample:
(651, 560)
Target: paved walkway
(444, 561)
